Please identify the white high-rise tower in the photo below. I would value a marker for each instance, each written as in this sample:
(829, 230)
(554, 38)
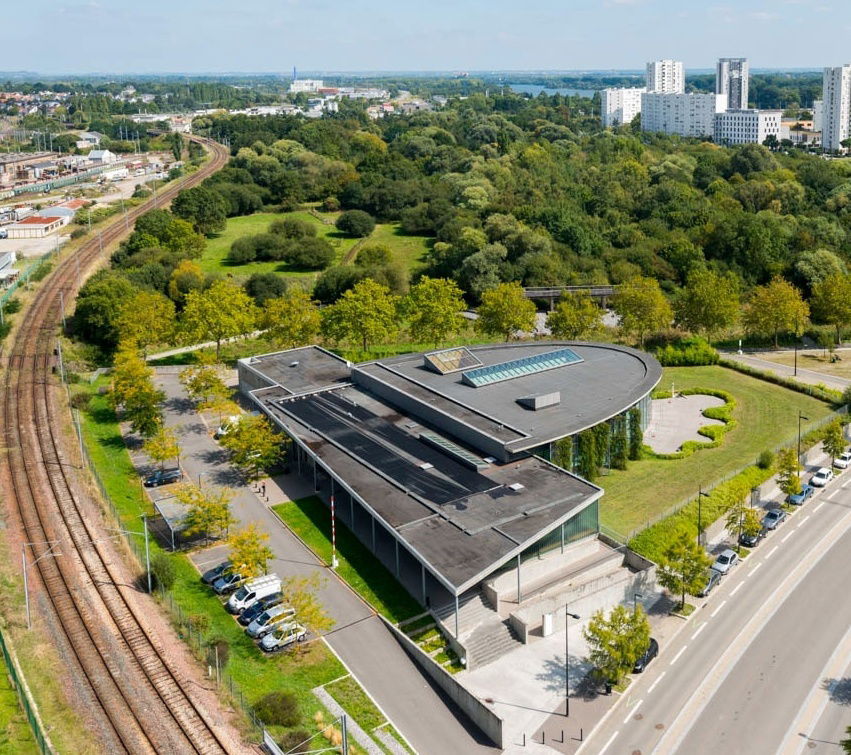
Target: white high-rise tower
(666, 76)
(732, 78)
(836, 107)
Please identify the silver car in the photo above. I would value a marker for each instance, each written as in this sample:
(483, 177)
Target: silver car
(283, 636)
(726, 560)
(269, 620)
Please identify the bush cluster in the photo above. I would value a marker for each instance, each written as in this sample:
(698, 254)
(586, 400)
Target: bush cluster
(821, 392)
(689, 352)
(278, 709)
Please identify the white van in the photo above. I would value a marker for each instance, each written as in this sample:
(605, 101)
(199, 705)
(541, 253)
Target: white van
(252, 591)
(269, 620)
(227, 425)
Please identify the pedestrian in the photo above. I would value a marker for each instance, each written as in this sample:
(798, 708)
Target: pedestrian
(263, 489)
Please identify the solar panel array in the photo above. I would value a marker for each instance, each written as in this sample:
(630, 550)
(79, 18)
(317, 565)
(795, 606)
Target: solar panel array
(451, 360)
(454, 450)
(496, 373)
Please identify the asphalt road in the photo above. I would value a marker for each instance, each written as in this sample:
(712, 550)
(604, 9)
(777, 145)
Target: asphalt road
(748, 673)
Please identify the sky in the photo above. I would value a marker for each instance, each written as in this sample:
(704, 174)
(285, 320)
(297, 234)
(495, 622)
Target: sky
(204, 36)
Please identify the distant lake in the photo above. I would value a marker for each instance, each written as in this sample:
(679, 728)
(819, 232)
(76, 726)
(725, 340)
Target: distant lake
(535, 90)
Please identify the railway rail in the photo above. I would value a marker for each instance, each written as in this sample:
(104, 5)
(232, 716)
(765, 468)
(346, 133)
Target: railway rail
(137, 700)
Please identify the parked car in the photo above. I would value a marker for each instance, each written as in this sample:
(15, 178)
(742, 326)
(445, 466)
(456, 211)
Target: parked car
(713, 577)
(269, 619)
(163, 477)
(821, 477)
(798, 499)
(649, 654)
(726, 560)
(228, 582)
(843, 461)
(283, 636)
(253, 590)
(254, 610)
(3, 233)
(211, 575)
(751, 541)
(227, 425)
(773, 518)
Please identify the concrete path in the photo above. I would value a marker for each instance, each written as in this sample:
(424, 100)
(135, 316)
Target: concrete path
(415, 708)
(197, 346)
(807, 376)
(673, 421)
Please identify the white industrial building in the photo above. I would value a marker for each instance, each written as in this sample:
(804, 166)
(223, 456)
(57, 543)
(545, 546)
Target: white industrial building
(836, 107)
(732, 78)
(619, 106)
(308, 86)
(747, 126)
(683, 114)
(666, 76)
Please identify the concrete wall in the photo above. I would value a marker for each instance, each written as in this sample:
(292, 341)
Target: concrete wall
(477, 711)
(250, 380)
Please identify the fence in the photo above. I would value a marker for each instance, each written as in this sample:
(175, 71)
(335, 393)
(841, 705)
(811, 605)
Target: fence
(27, 705)
(24, 278)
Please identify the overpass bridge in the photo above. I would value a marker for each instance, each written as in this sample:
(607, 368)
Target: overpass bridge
(552, 293)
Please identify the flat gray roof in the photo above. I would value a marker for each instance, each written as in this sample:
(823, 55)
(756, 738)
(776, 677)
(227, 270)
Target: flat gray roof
(308, 368)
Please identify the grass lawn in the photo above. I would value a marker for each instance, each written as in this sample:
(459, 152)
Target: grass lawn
(308, 518)
(813, 359)
(355, 702)
(767, 415)
(15, 733)
(409, 251)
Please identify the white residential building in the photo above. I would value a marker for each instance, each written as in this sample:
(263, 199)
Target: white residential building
(666, 76)
(836, 107)
(732, 77)
(620, 106)
(747, 126)
(818, 117)
(684, 114)
(305, 85)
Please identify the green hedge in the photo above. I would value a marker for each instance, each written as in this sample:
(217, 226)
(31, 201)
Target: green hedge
(690, 352)
(715, 433)
(820, 392)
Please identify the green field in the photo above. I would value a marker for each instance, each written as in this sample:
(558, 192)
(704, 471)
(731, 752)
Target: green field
(767, 415)
(15, 733)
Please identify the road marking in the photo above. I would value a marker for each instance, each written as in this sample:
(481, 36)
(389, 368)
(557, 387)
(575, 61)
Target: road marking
(754, 570)
(737, 588)
(632, 712)
(804, 520)
(785, 537)
(658, 679)
(677, 656)
(606, 746)
(846, 483)
(830, 497)
(703, 626)
(818, 507)
(720, 606)
(770, 553)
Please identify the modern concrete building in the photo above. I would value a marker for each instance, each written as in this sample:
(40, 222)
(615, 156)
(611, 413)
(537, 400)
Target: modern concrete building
(732, 77)
(836, 107)
(34, 227)
(309, 86)
(666, 76)
(456, 466)
(747, 126)
(818, 117)
(620, 106)
(684, 114)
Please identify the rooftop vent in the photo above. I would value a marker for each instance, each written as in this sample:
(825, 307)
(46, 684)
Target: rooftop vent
(516, 486)
(540, 401)
(294, 364)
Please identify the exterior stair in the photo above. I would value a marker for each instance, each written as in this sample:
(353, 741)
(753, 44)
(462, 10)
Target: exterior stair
(473, 610)
(490, 642)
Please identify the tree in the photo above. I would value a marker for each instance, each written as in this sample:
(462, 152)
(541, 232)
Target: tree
(208, 509)
(788, 471)
(774, 308)
(309, 253)
(300, 593)
(575, 317)
(133, 390)
(163, 570)
(710, 301)
(205, 208)
(254, 446)
(365, 314)
(291, 320)
(100, 304)
(249, 553)
(831, 302)
(175, 139)
(742, 519)
(204, 383)
(505, 310)
(223, 311)
(846, 743)
(264, 286)
(147, 318)
(355, 223)
(617, 642)
(642, 307)
(185, 278)
(162, 445)
(433, 307)
(834, 440)
(683, 567)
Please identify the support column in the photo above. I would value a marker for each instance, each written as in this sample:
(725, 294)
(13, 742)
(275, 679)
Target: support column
(518, 579)
(422, 580)
(298, 458)
(315, 486)
(352, 511)
(397, 557)
(562, 537)
(373, 535)
(456, 617)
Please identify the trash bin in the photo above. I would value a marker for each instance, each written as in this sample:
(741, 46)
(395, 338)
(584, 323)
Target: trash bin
(608, 688)
(547, 624)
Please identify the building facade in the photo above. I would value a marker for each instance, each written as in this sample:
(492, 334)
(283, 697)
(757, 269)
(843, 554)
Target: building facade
(684, 114)
(666, 76)
(747, 126)
(34, 227)
(836, 107)
(818, 119)
(732, 77)
(309, 86)
(620, 106)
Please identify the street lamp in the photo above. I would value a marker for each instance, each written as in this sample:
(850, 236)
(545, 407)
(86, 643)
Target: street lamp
(635, 598)
(567, 614)
(700, 497)
(800, 417)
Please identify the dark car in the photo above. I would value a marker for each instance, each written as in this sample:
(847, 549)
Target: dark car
(773, 518)
(163, 477)
(751, 541)
(799, 498)
(649, 654)
(712, 579)
(211, 575)
(253, 611)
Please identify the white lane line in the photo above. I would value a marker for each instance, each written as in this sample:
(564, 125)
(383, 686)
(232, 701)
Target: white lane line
(846, 483)
(818, 507)
(658, 679)
(677, 656)
(703, 626)
(830, 497)
(737, 588)
(756, 568)
(632, 712)
(770, 553)
(720, 606)
(606, 746)
(803, 520)
(785, 537)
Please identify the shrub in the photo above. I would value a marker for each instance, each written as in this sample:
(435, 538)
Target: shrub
(270, 246)
(374, 255)
(689, 352)
(81, 400)
(221, 645)
(296, 741)
(263, 286)
(242, 251)
(766, 459)
(163, 570)
(5, 327)
(309, 253)
(79, 232)
(12, 306)
(355, 223)
(330, 204)
(293, 228)
(199, 622)
(278, 709)
(820, 392)
(41, 272)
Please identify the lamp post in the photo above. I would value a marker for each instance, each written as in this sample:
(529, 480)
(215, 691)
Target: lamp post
(567, 614)
(700, 497)
(800, 417)
(635, 598)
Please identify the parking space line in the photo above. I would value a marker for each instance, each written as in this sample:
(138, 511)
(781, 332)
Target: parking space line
(718, 608)
(703, 626)
(770, 553)
(785, 537)
(846, 483)
(632, 712)
(606, 746)
(677, 656)
(818, 507)
(830, 497)
(756, 568)
(737, 588)
(658, 679)
(803, 520)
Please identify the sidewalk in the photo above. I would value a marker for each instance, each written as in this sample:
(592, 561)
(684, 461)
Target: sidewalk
(806, 376)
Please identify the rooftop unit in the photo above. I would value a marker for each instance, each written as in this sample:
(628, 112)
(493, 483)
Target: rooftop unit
(450, 360)
(496, 373)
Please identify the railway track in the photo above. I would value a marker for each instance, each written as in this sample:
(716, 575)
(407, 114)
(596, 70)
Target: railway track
(139, 703)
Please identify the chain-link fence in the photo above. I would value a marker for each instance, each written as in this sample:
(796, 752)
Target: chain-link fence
(23, 697)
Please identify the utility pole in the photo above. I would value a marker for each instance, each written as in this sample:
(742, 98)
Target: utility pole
(700, 496)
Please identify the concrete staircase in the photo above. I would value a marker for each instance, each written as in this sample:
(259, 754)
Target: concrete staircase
(490, 642)
(472, 611)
